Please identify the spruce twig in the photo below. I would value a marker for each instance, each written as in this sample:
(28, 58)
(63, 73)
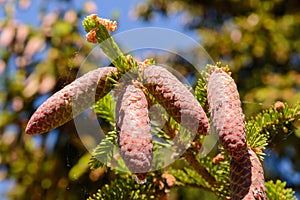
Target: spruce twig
(193, 161)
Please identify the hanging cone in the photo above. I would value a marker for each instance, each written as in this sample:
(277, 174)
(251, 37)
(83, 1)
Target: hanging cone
(177, 100)
(70, 101)
(226, 112)
(133, 126)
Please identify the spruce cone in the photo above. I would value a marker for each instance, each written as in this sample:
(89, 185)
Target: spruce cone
(247, 178)
(80, 95)
(178, 101)
(226, 112)
(133, 126)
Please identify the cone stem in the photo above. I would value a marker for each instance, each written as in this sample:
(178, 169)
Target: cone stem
(98, 32)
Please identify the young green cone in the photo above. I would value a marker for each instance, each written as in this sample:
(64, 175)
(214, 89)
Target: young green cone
(178, 101)
(70, 101)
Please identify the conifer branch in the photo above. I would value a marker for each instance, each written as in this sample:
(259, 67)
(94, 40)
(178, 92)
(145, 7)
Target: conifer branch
(124, 188)
(189, 177)
(271, 121)
(105, 109)
(279, 191)
(190, 156)
(201, 92)
(103, 153)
